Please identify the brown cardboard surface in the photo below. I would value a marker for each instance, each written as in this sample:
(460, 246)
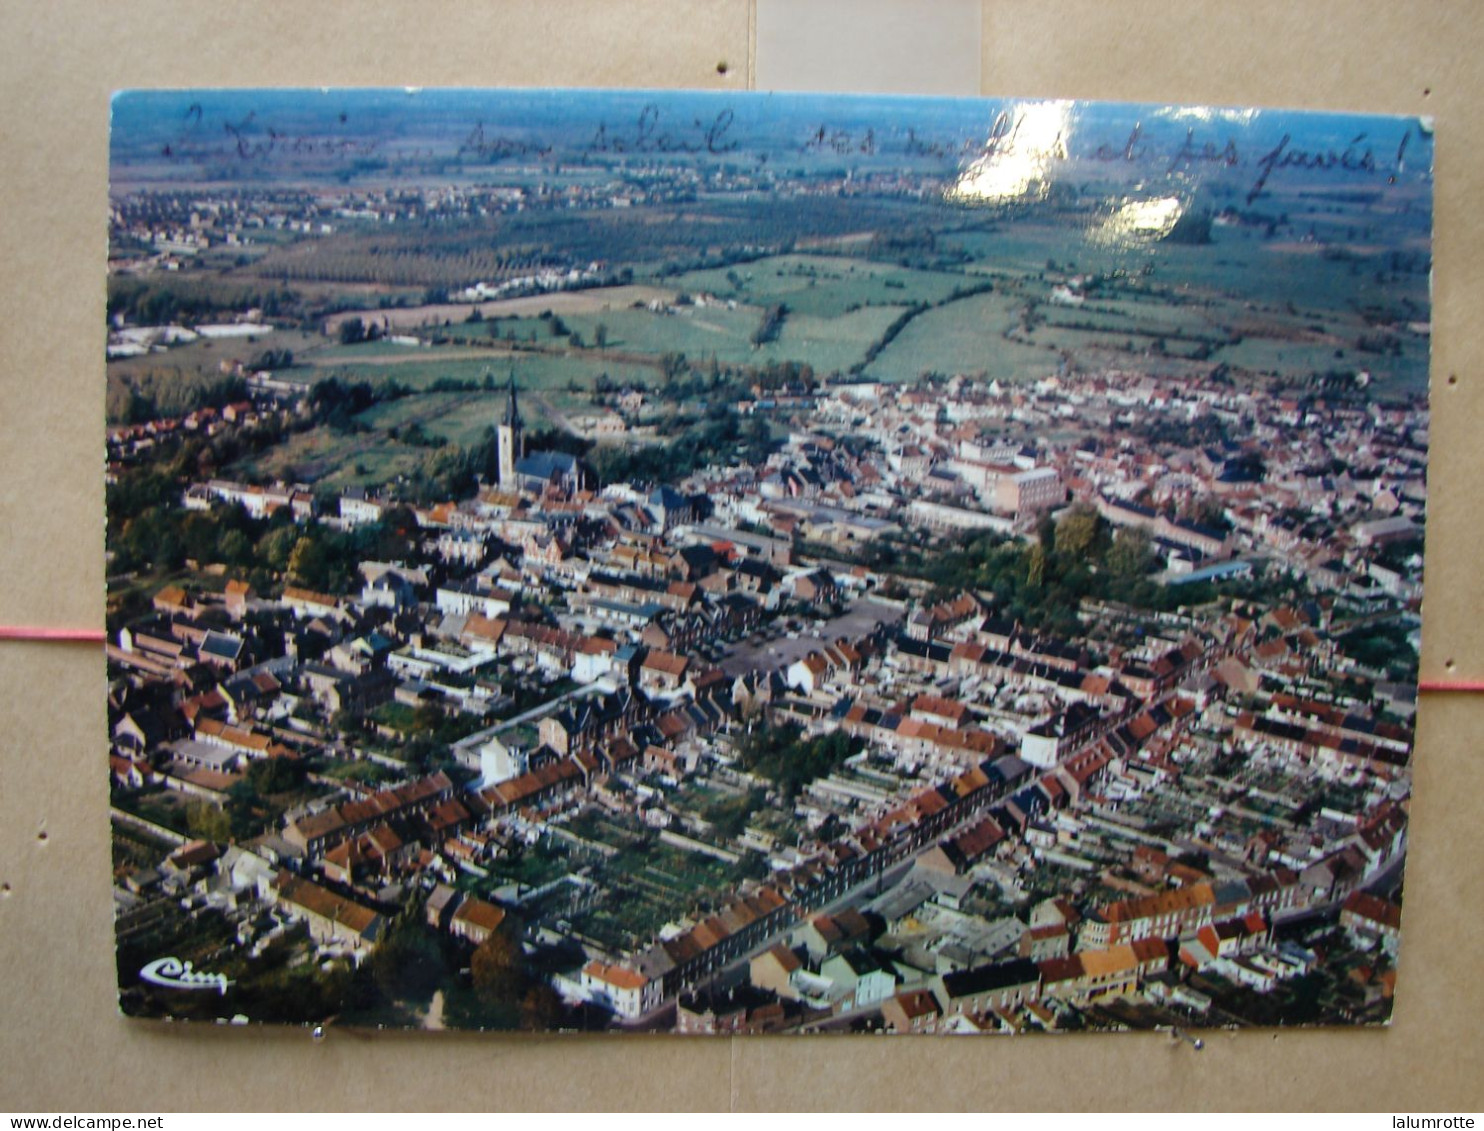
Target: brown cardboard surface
(62, 1044)
(879, 45)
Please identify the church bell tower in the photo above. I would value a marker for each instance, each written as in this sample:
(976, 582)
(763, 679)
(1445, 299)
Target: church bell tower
(511, 437)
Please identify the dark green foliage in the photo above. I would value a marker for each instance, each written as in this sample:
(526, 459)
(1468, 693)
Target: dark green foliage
(730, 815)
(155, 300)
(1384, 647)
(408, 963)
(769, 325)
(275, 775)
(790, 761)
(721, 437)
(166, 392)
(1041, 583)
(272, 359)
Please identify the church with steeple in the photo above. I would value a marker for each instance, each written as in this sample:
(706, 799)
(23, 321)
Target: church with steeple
(533, 472)
(511, 440)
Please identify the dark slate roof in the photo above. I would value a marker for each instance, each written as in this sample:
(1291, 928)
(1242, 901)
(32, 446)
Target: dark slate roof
(667, 497)
(220, 644)
(986, 979)
(545, 465)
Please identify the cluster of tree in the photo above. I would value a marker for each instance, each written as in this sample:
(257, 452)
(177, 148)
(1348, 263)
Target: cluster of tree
(729, 816)
(148, 529)
(245, 813)
(353, 330)
(673, 366)
(912, 245)
(557, 440)
(1382, 647)
(159, 300)
(166, 392)
(327, 560)
(719, 437)
(1205, 430)
(779, 375)
(409, 963)
(431, 733)
(335, 403)
(789, 760)
(251, 803)
(711, 379)
(505, 985)
(770, 325)
(1042, 584)
(555, 327)
(272, 359)
(164, 536)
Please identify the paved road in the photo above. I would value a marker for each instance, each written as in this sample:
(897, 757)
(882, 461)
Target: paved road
(540, 711)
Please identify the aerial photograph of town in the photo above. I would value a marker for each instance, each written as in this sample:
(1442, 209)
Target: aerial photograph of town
(671, 562)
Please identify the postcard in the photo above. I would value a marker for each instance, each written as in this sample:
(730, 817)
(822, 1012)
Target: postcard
(745, 563)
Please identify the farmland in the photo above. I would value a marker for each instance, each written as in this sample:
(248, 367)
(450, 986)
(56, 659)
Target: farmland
(823, 286)
(562, 302)
(887, 289)
(964, 337)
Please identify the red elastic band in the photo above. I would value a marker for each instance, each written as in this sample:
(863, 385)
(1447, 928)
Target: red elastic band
(1451, 685)
(34, 632)
(96, 636)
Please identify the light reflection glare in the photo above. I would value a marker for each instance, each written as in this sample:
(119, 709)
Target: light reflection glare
(1025, 140)
(1229, 115)
(1140, 221)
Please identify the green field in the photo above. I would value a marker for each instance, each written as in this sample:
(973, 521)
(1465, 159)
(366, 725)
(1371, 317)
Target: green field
(1280, 356)
(334, 459)
(207, 355)
(825, 286)
(963, 337)
(1300, 298)
(829, 344)
(694, 331)
(1024, 247)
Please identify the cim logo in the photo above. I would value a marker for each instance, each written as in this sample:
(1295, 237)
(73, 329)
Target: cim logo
(178, 975)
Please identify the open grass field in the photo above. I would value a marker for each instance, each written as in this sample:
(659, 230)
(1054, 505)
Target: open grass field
(208, 355)
(1301, 301)
(595, 299)
(1023, 247)
(335, 460)
(963, 337)
(694, 331)
(830, 345)
(331, 459)
(422, 408)
(821, 285)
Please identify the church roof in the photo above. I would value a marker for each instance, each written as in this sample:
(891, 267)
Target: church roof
(667, 497)
(547, 465)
